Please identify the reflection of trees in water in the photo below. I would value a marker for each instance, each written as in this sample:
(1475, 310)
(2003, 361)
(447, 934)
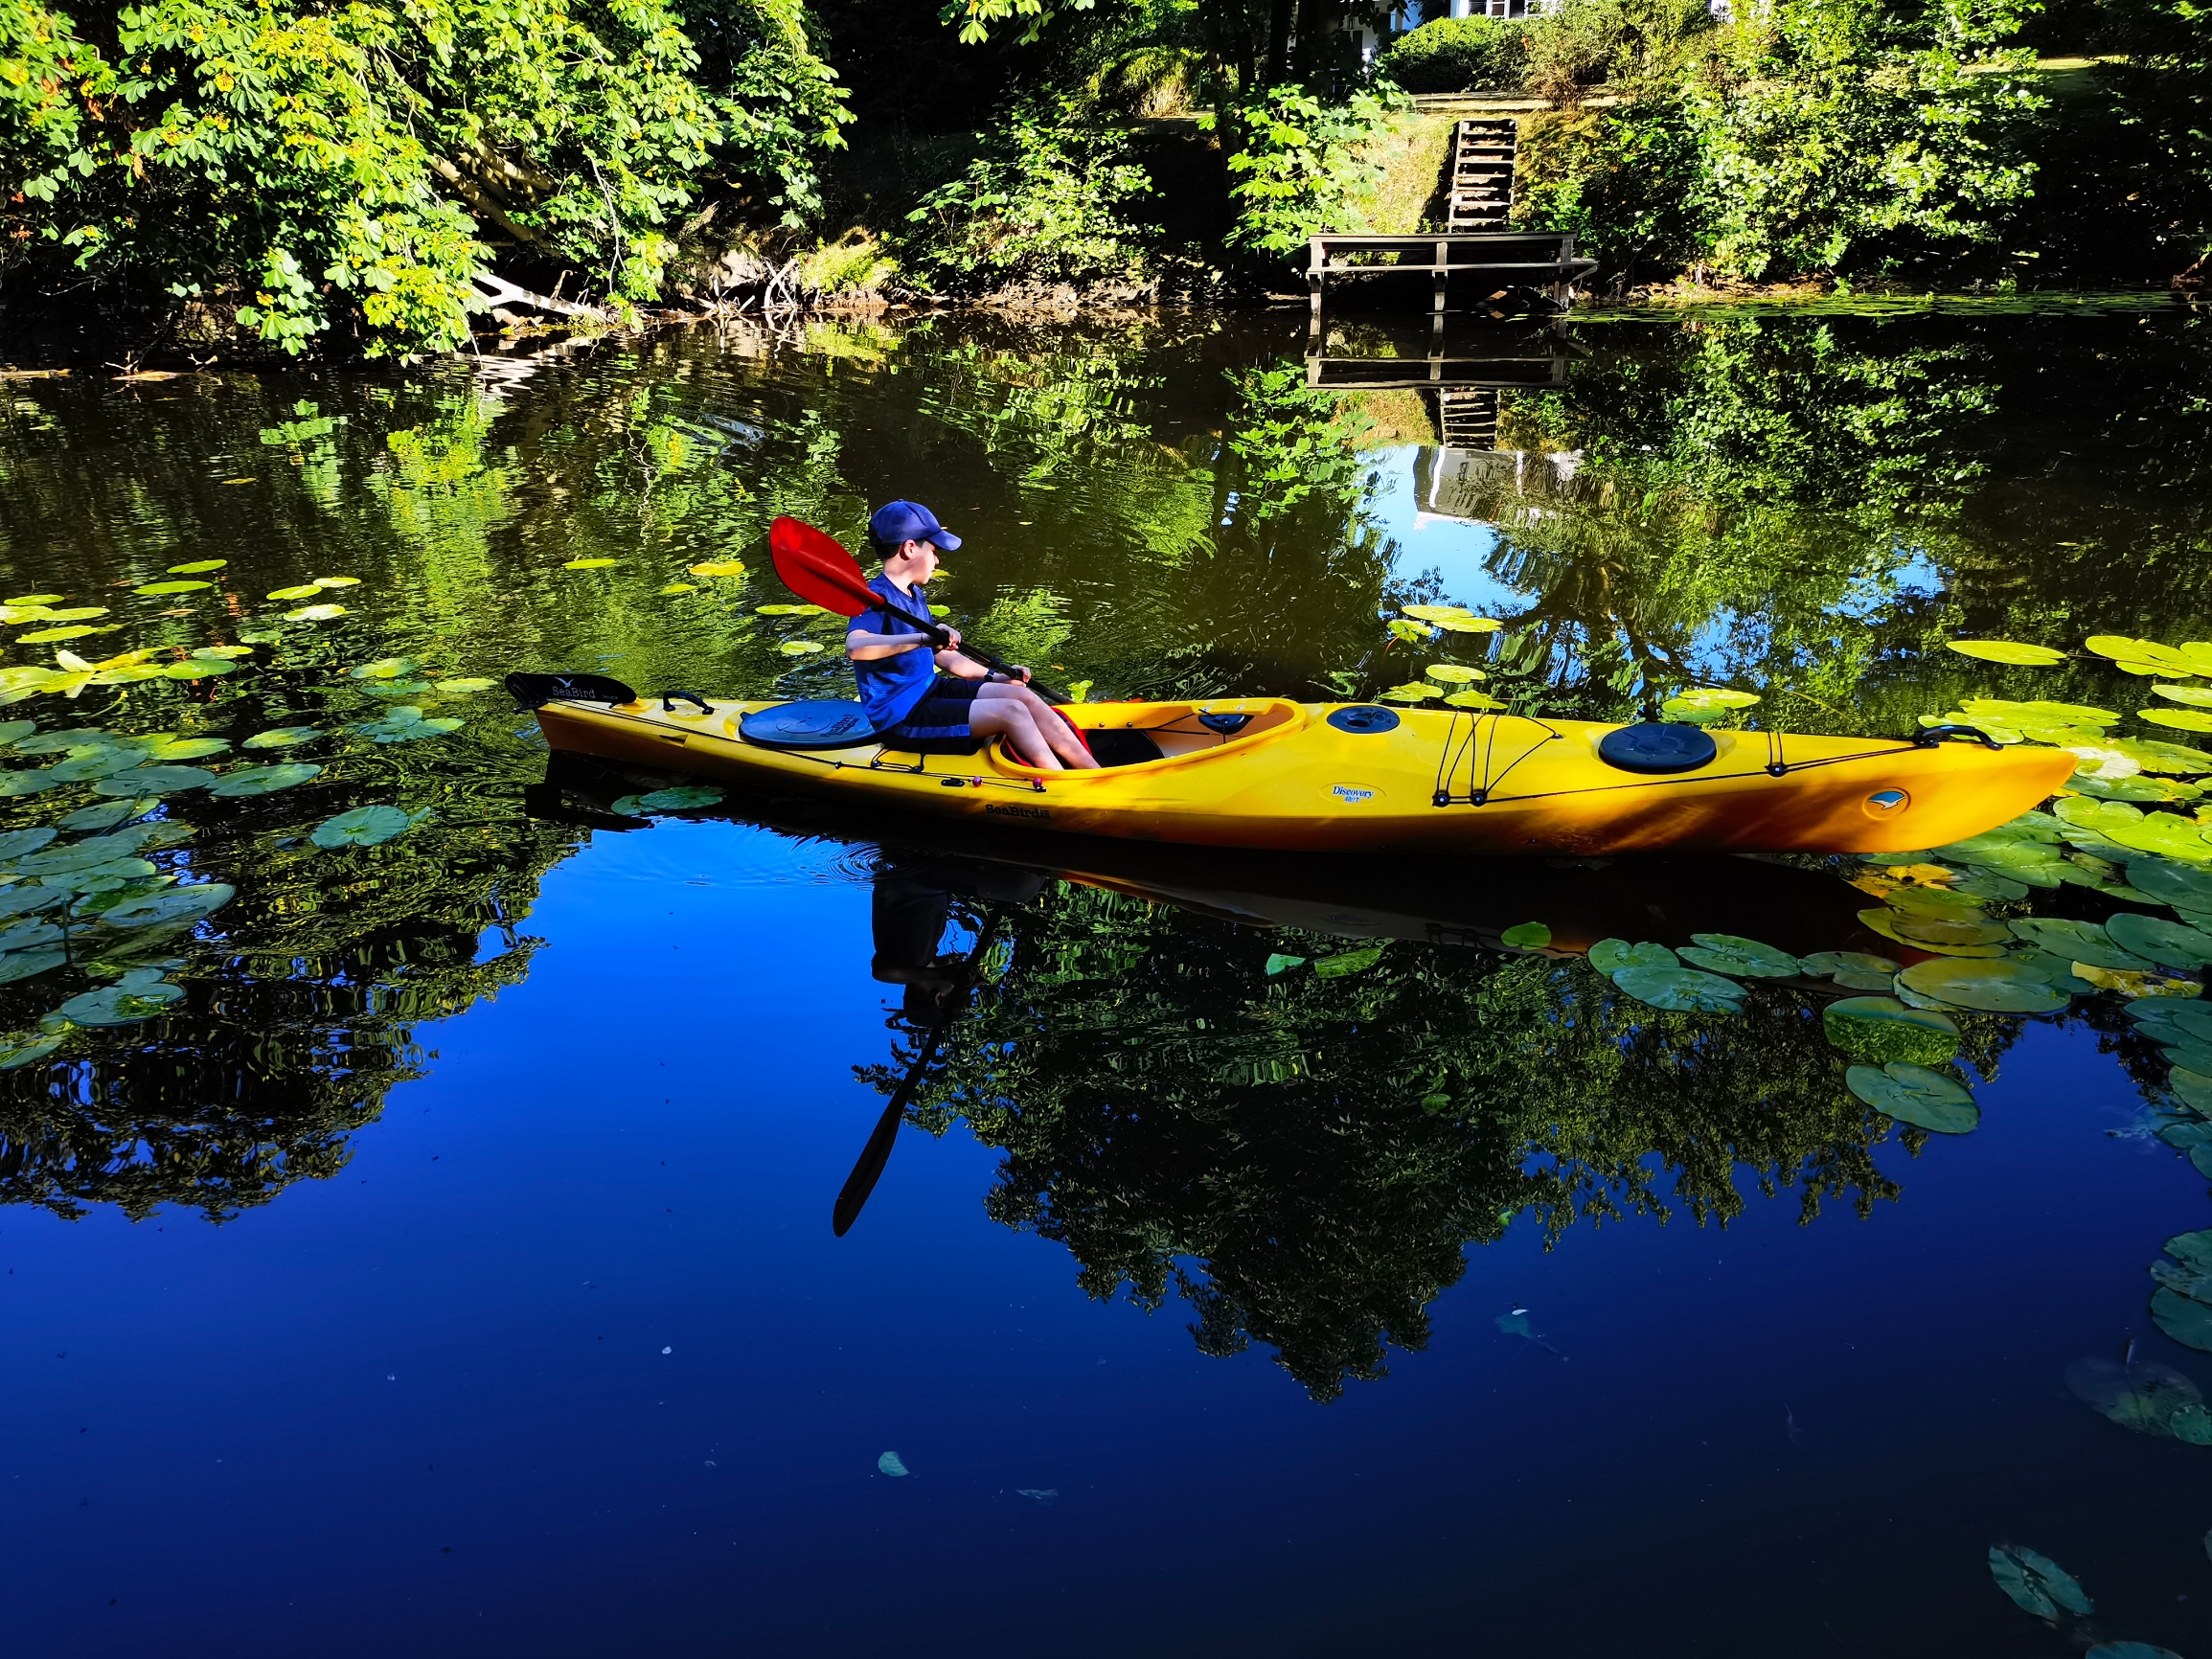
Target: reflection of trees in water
(1303, 1158)
(296, 1022)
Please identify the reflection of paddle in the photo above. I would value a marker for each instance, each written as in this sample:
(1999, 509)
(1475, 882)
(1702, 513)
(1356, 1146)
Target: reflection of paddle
(815, 566)
(878, 1152)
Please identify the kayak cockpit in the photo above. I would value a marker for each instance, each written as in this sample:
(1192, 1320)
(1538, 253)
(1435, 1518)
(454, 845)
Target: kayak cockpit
(1133, 734)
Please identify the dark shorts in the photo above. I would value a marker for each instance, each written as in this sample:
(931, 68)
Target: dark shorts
(938, 724)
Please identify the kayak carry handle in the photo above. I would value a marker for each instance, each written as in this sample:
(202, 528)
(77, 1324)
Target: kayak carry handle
(1934, 737)
(669, 700)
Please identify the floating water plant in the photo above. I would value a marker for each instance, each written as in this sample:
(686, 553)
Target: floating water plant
(281, 737)
(2182, 1302)
(1913, 1094)
(2035, 1583)
(405, 724)
(265, 779)
(720, 567)
(1877, 1030)
(1682, 990)
(1991, 986)
(1527, 936)
(198, 566)
(2011, 652)
(315, 613)
(366, 827)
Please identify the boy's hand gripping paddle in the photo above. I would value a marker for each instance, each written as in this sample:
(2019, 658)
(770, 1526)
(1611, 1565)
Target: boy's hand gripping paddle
(816, 567)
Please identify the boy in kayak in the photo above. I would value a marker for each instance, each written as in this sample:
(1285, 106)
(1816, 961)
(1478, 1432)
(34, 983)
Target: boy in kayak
(939, 701)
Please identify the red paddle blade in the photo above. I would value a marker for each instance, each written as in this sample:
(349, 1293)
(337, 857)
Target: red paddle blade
(817, 568)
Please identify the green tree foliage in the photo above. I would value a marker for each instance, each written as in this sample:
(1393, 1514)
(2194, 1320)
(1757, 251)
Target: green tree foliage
(1456, 54)
(1811, 136)
(1053, 198)
(352, 166)
(1300, 165)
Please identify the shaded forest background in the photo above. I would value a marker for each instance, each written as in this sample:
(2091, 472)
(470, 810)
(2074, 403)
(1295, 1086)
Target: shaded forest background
(195, 177)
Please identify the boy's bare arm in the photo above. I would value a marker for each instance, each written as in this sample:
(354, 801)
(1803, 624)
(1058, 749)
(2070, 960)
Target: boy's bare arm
(863, 646)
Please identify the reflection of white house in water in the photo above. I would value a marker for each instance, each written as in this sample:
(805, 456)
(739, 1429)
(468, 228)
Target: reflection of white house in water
(1469, 485)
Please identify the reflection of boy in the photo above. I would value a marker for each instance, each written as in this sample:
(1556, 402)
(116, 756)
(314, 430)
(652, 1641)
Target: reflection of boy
(939, 701)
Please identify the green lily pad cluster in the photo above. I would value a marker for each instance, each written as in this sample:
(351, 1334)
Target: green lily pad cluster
(1707, 705)
(405, 723)
(2183, 1302)
(2035, 1583)
(679, 799)
(2146, 1398)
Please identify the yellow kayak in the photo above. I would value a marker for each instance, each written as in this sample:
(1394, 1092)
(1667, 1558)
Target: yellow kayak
(1266, 772)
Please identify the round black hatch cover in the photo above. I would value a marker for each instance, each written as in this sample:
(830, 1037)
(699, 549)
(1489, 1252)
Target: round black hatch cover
(1659, 746)
(818, 723)
(1364, 718)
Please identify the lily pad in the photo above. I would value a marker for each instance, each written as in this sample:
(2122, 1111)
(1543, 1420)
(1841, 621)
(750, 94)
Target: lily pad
(86, 854)
(18, 965)
(1825, 964)
(2179, 719)
(2185, 1319)
(198, 668)
(1915, 1094)
(2195, 696)
(15, 1055)
(1611, 955)
(405, 724)
(364, 827)
(2193, 1089)
(15, 731)
(1473, 699)
(1682, 990)
(1992, 986)
(315, 613)
(2133, 1650)
(1886, 922)
(1468, 624)
(15, 843)
(154, 781)
(799, 647)
(1279, 963)
(265, 779)
(1527, 936)
(281, 737)
(336, 580)
(384, 669)
(171, 905)
(2142, 1396)
(1346, 962)
(29, 934)
(198, 566)
(300, 590)
(2007, 651)
(465, 687)
(1879, 1029)
(1731, 954)
(1924, 928)
(591, 563)
(1450, 674)
(166, 587)
(717, 567)
(73, 631)
(189, 749)
(2155, 938)
(117, 1005)
(679, 799)
(2077, 942)
(2153, 755)
(2036, 1583)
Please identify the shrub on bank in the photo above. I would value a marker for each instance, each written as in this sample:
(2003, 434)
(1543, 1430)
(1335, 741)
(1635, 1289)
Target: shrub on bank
(1051, 199)
(1457, 54)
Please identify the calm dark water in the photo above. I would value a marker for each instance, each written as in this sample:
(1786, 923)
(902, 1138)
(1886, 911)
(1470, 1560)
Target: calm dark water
(442, 1263)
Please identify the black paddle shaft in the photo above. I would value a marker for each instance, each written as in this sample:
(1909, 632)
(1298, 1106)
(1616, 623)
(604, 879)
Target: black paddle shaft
(878, 1152)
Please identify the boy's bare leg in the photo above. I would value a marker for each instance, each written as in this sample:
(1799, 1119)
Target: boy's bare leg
(1049, 725)
(1005, 718)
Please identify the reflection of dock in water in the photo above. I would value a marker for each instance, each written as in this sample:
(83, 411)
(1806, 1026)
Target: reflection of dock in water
(1465, 477)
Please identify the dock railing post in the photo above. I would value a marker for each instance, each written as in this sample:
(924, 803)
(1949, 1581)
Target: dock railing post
(1315, 265)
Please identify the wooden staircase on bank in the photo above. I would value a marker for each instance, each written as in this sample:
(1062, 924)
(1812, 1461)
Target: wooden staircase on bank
(1479, 194)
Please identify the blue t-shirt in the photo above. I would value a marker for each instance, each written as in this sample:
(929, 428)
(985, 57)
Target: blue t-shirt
(891, 686)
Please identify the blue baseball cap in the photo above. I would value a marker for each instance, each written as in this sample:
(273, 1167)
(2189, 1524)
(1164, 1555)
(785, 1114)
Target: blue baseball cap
(900, 522)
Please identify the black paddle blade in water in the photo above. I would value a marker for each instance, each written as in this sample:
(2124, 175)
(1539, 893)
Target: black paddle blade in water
(534, 691)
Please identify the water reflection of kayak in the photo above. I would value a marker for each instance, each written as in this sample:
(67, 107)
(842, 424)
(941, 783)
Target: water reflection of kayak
(1441, 900)
(1263, 772)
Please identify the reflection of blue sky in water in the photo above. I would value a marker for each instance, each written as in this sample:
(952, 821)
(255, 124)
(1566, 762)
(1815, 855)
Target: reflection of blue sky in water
(1453, 550)
(1460, 552)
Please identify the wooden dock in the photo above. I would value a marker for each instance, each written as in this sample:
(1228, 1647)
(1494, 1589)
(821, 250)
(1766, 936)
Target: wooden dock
(1493, 266)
